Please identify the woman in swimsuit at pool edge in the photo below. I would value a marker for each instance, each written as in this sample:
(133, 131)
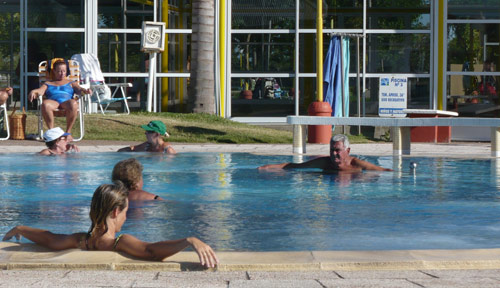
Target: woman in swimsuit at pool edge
(59, 94)
(108, 211)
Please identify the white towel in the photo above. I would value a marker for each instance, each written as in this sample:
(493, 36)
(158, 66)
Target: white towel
(89, 67)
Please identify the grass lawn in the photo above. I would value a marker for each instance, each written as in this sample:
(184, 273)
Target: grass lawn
(186, 128)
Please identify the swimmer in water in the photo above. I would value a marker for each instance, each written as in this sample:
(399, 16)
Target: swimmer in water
(339, 159)
(155, 130)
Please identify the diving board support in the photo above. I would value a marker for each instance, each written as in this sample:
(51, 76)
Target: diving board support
(401, 140)
(495, 142)
(299, 139)
(400, 128)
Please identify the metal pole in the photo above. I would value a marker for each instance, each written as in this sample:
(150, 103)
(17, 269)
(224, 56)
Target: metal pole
(152, 59)
(297, 42)
(319, 52)
(357, 82)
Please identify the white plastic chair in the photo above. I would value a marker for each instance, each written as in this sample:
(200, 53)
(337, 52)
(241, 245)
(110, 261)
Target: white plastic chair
(73, 73)
(90, 73)
(3, 107)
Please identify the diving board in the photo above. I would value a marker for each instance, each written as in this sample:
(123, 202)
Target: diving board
(400, 127)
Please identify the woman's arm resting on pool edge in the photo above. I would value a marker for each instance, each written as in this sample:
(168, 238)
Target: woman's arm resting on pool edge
(44, 237)
(161, 250)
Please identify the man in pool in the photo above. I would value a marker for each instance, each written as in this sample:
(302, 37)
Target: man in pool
(339, 159)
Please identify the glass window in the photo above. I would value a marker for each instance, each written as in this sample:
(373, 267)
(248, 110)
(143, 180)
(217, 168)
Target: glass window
(112, 49)
(112, 14)
(398, 14)
(473, 9)
(473, 96)
(64, 13)
(467, 44)
(398, 53)
(306, 93)
(262, 52)
(174, 93)
(9, 26)
(260, 97)
(263, 14)
(178, 54)
(346, 14)
(43, 46)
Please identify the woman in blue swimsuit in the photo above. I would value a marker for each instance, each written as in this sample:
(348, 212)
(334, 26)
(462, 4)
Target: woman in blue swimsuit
(59, 93)
(108, 211)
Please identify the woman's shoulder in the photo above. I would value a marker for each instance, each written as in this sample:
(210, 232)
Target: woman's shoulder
(141, 195)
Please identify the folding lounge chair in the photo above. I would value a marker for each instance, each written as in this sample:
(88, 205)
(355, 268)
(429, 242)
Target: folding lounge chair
(101, 93)
(73, 73)
(5, 120)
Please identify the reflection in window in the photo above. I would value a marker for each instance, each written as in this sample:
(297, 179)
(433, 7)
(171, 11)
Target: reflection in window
(263, 14)
(262, 52)
(263, 96)
(398, 53)
(46, 13)
(473, 9)
(466, 45)
(112, 14)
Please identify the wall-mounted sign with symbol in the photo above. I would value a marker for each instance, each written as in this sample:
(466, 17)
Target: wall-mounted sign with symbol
(152, 39)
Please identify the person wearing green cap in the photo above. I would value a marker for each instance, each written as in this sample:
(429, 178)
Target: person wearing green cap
(155, 130)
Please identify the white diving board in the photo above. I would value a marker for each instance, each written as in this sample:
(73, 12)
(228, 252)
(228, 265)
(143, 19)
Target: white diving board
(400, 128)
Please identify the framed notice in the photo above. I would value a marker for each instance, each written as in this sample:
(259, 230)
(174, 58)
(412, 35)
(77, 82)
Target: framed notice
(392, 96)
(153, 34)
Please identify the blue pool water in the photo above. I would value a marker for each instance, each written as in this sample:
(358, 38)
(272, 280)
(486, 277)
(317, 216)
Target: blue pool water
(223, 199)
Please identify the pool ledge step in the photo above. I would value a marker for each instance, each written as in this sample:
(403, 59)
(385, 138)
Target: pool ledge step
(30, 256)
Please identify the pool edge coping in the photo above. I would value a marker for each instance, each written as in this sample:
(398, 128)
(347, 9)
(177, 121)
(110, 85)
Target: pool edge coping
(16, 256)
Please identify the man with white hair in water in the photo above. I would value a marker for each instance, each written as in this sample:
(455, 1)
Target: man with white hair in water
(339, 159)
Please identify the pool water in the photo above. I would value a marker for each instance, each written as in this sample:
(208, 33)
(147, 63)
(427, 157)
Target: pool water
(223, 199)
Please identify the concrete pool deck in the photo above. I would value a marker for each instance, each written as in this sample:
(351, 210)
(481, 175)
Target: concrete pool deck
(29, 265)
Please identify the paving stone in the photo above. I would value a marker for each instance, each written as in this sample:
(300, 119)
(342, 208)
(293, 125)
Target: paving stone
(381, 274)
(463, 273)
(301, 275)
(458, 283)
(205, 276)
(364, 283)
(103, 276)
(275, 283)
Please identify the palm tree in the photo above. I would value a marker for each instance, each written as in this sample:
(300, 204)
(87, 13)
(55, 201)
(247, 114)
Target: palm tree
(201, 90)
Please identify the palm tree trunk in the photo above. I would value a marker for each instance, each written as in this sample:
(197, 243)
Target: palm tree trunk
(201, 89)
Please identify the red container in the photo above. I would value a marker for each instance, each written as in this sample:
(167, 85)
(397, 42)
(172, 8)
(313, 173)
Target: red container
(319, 133)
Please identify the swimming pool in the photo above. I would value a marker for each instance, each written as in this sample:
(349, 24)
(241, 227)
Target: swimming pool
(223, 199)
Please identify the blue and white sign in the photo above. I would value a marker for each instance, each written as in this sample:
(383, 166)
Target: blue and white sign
(392, 96)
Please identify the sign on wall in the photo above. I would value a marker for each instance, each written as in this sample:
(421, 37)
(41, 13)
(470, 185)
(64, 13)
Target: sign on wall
(152, 39)
(392, 96)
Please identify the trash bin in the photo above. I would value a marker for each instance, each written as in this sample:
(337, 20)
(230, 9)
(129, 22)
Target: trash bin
(319, 133)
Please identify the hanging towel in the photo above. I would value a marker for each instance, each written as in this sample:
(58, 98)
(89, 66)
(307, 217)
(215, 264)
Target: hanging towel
(345, 62)
(332, 87)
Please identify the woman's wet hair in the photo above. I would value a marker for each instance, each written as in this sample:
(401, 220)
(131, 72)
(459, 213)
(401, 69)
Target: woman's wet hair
(128, 171)
(106, 198)
(51, 144)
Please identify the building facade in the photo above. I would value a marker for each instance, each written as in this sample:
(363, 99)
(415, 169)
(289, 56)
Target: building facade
(265, 51)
